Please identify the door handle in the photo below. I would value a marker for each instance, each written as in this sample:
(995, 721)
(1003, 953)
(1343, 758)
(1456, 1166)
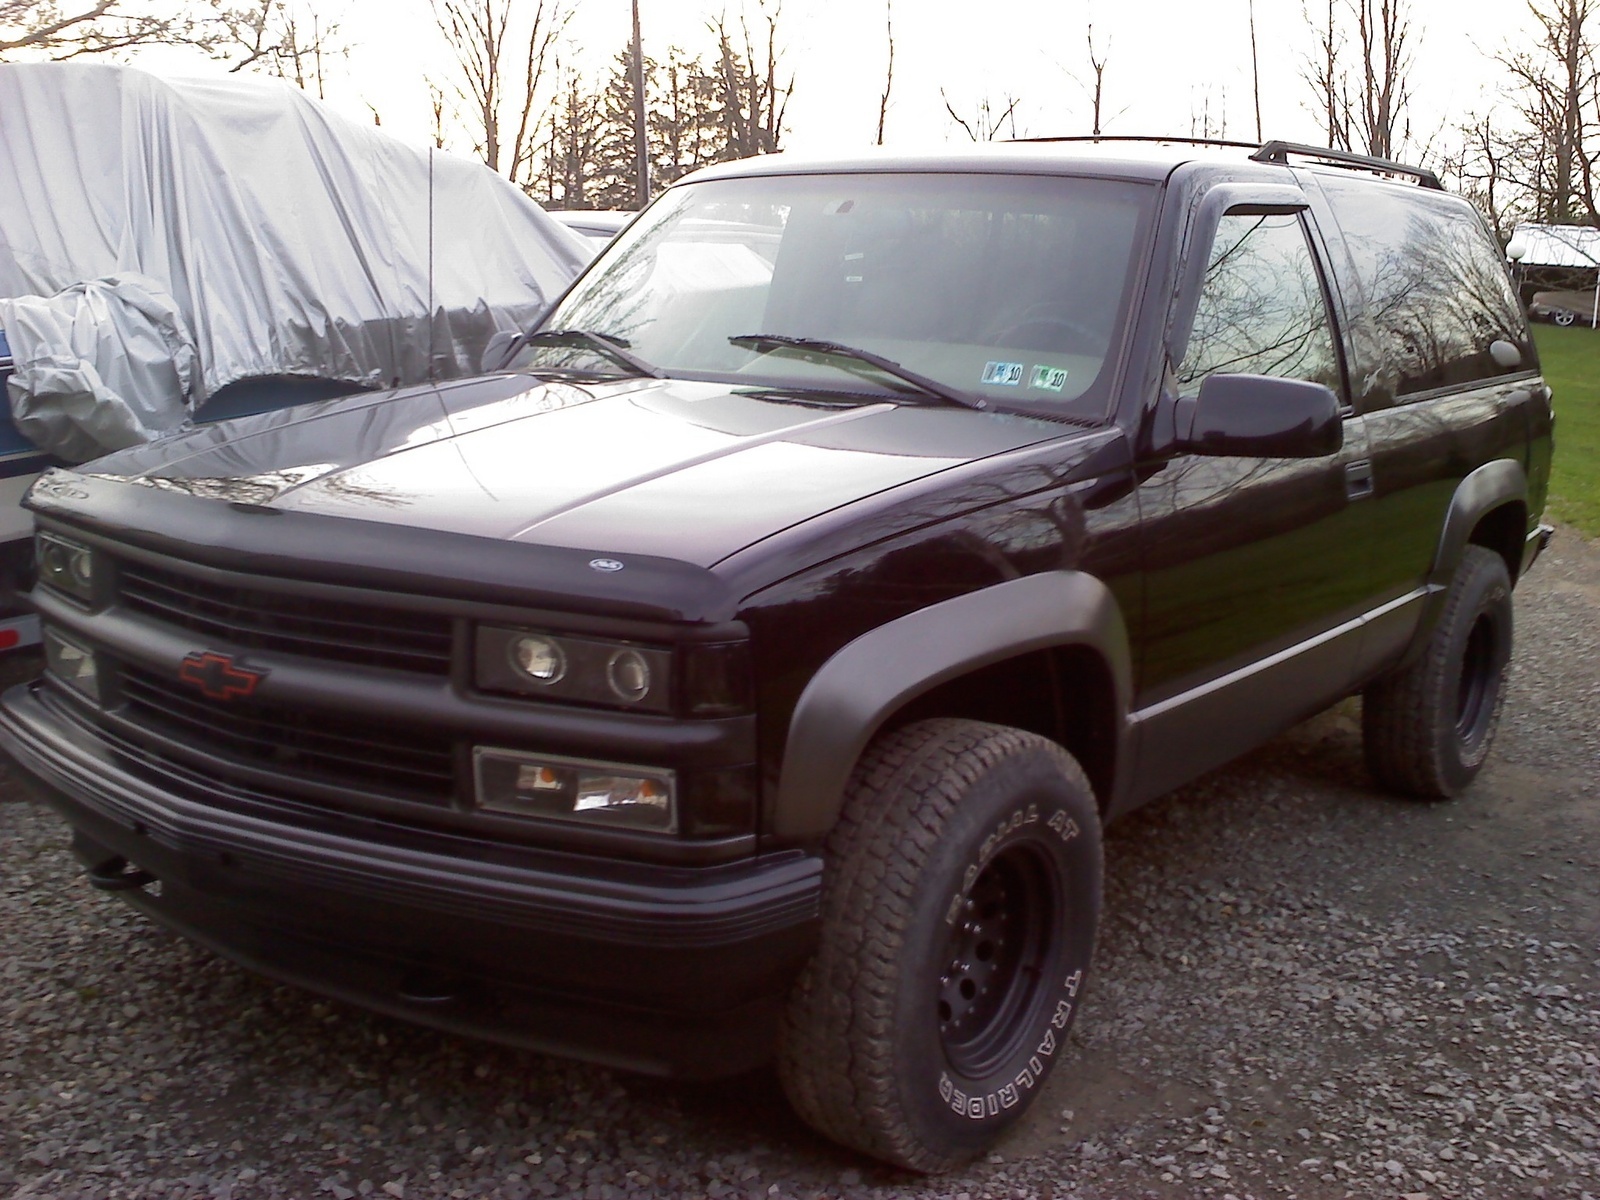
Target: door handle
(1358, 483)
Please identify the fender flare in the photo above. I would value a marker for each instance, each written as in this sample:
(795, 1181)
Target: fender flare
(870, 678)
(1488, 487)
(1502, 481)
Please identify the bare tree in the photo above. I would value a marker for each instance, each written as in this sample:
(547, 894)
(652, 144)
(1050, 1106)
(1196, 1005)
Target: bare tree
(1365, 109)
(497, 73)
(1202, 123)
(1323, 74)
(987, 121)
(755, 97)
(1484, 169)
(1558, 93)
(1097, 67)
(1384, 29)
(685, 121)
(50, 29)
(888, 77)
(279, 37)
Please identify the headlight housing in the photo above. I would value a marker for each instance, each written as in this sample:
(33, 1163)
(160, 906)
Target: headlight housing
(587, 670)
(65, 565)
(710, 679)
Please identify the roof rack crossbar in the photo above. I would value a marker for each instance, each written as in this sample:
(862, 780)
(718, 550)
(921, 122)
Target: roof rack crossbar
(1279, 152)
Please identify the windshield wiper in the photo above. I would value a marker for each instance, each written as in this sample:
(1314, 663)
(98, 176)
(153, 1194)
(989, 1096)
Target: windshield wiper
(609, 345)
(765, 343)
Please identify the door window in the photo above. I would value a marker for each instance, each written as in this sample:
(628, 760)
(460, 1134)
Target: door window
(1262, 309)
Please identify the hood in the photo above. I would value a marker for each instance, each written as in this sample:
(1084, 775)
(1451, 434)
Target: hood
(686, 470)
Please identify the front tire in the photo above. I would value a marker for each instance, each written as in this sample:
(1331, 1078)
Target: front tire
(1427, 728)
(959, 911)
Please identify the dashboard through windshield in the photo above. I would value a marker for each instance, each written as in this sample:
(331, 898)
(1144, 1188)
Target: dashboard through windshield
(1011, 289)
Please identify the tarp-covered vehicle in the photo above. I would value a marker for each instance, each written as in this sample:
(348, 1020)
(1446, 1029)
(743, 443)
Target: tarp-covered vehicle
(189, 250)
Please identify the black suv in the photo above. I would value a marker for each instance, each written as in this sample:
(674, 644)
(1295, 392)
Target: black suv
(749, 666)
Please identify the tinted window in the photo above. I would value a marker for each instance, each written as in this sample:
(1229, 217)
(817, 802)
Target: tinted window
(1011, 287)
(1261, 309)
(1435, 286)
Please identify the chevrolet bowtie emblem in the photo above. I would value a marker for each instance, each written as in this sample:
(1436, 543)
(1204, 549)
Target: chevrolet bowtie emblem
(217, 676)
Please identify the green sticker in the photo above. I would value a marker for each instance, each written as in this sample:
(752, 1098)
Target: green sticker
(1049, 379)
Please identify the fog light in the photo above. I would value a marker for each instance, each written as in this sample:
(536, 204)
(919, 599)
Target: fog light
(539, 658)
(73, 664)
(563, 789)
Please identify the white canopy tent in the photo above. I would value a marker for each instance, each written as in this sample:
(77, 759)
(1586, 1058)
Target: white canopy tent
(1576, 246)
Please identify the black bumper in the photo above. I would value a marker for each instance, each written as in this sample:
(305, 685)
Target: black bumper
(667, 970)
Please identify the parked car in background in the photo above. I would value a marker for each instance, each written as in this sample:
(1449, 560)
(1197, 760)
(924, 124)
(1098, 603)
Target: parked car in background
(596, 226)
(748, 668)
(282, 254)
(1562, 308)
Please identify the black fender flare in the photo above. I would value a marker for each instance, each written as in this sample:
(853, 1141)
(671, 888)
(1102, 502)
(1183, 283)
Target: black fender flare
(867, 680)
(1480, 492)
(1502, 481)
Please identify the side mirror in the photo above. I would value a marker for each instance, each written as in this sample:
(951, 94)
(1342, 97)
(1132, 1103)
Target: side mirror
(1261, 416)
(494, 354)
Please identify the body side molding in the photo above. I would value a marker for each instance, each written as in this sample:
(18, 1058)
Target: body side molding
(856, 690)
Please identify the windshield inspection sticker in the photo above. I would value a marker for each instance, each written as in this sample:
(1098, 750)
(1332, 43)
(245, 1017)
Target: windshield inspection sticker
(1002, 373)
(1048, 379)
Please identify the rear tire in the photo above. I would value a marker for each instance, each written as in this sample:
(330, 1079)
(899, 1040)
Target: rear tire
(959, 909)
(1427, 728)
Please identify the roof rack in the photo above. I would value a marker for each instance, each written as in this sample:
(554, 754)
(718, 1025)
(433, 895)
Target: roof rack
(1116, 137)
(1279, 152)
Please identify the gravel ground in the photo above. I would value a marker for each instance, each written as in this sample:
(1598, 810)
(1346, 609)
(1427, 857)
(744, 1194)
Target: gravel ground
(1304, 989)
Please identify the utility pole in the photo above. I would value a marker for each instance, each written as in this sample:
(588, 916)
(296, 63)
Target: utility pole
(1255, 68)
(641, 144)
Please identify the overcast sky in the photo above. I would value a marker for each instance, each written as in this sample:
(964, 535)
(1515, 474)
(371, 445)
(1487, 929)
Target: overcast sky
(1167, 62)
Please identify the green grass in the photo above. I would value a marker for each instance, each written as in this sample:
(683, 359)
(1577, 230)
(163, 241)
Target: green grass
(1571, 361)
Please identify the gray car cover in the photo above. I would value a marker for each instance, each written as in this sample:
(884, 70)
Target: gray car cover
(160, 239)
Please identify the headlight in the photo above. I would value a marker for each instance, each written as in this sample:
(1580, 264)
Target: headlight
(564, 789)
(586, 670)
(65, 565)
(71, 663)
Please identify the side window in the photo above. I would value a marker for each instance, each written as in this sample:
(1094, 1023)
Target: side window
(1435, 287)
(1261, 309)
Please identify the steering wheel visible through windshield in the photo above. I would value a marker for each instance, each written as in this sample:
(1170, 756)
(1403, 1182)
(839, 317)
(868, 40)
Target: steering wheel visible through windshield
(1012, 289)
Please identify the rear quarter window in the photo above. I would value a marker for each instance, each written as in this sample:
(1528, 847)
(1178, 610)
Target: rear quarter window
(1434, 285)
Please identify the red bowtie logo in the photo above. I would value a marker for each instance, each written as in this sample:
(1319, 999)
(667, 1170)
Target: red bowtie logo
(218, 677)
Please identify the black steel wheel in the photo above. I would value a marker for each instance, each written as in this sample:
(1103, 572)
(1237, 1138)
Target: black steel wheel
(997, 953)
(959, 910)
(1428, 727)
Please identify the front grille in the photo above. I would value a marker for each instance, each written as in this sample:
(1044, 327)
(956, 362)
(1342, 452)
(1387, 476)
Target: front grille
(369, 755)
(338, 630)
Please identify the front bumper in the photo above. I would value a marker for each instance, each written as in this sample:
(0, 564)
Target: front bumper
(662, 969)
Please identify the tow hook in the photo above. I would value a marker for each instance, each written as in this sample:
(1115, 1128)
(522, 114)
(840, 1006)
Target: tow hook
(118, 875)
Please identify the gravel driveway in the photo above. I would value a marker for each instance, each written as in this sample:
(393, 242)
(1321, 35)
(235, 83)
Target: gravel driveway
(1304, 989)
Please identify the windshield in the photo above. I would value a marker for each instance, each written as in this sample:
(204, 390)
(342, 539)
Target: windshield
(1013, 289)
